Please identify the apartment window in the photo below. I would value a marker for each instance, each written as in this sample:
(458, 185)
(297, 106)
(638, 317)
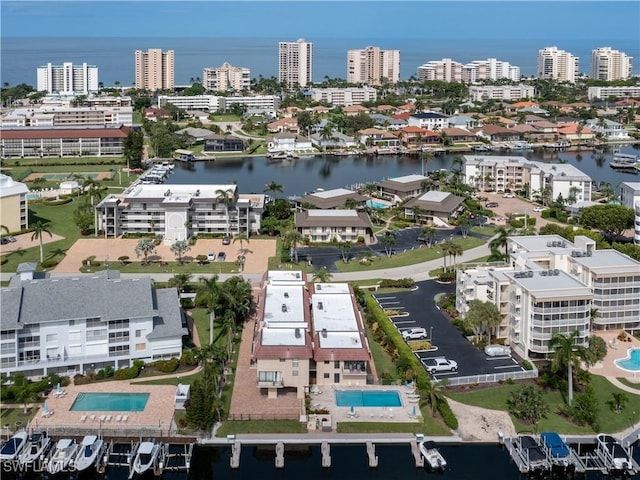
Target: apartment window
(336, 364)
(294, 373)
(52, 337)
(326, 362)
(326, 375)
(141, 346)
(282, 360)
(138, 333)
(294, 363)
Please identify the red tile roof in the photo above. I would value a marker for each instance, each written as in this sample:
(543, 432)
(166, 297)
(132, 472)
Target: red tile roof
(33, 133)
(334, 354)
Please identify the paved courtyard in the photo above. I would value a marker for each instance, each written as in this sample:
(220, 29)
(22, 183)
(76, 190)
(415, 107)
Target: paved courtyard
(24, 241)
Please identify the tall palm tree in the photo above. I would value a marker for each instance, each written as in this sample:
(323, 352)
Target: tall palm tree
(568, 355)
(431, 394)
(273, 187)
(211, 291)
(22, 392)
(241, 238)
(180, 280)
(225, 197)
(500, 240)
(294, 238)
(322, 275)
(446, 246)
(39, 229)
(454, 251)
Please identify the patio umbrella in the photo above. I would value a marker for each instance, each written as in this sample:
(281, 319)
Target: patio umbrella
(45, 408)
(353, 410)
(414, 411)
(58, 388)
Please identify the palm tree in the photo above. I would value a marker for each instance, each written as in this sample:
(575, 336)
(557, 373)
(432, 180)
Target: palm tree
(350, 203)
(429, 234)
(241, 238)
(418, 214)
(322, 275)
(39, 229)
(345, 248)
(431, 394)
(179, 249)
(4, 229)
(388, 241)
(568, 355)
(22, 392)
(144, 247)
(294, 238)
(500, 240)
(225, 197)
(179, 281)
(454, 251)
(446, 246)
(273, 187)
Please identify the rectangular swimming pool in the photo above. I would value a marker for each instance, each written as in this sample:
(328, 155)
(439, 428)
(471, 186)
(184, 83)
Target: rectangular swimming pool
(110, 402)
(368, 398)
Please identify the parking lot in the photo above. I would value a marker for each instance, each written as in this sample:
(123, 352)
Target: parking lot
(405, 239)
(419, 310)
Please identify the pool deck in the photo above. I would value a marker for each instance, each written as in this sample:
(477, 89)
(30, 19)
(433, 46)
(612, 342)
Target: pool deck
(157, 415)
(616, 350)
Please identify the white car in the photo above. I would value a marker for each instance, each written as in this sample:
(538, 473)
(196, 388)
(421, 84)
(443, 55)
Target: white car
(439, 364)
(414, 334)
(211, 257)
(509, 195)
(538, 209)
(497, 350)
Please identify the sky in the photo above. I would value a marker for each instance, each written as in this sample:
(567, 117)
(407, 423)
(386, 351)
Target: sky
(289, 20)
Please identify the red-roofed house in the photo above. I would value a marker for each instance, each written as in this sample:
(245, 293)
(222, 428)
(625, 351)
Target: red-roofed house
(284, 125)
(353, 110)
(497, 133)
(155, 114)
(459, 135)
(574, 132)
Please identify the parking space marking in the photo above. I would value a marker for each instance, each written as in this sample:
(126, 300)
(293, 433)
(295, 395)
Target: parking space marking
(388, 303)
(507, 366)
(384, 298)
(444, 373)
(404, 321)
(490, 359)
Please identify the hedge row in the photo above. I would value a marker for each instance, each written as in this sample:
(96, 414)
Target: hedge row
(400, 283)
(168, 366)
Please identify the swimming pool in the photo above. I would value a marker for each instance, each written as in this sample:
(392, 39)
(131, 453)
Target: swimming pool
(33, 196)
(110, 402)
(368, 398)
(376, 205)
(631, 363)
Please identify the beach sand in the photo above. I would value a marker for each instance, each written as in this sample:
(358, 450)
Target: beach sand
(478, 424)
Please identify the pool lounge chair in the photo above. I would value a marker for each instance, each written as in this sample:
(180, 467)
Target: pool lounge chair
(119, 418)
(125, 418)
(83, 418)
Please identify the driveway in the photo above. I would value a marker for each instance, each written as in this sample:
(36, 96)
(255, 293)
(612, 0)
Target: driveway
(450, 343)
(24, 241)
(507, 206)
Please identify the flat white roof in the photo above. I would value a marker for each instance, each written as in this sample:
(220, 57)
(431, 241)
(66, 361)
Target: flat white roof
(284, 305)
(635, 186)
(341, 340)
(609, 261)
(332, 288)
(9, 187)
(434, 196)
(545, 283)
(332, 213)
(279, 276)
(408, 178)
(558, 170)
(159, 191)
(534, 243)
(336, 192)
(283, 336)
(333, 313)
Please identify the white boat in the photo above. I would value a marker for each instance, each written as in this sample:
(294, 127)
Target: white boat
(13, 447)
(90, 450)
(146, 457)
(38, 445)
(432, 455)
(63, 453)
(624, 161)
(614, 456)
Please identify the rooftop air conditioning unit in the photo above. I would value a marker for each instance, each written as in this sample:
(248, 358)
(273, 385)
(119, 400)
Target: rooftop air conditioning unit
(298, 334)
(286, 294)
(320, 306)
(544, 273)
(318, 287)
(284, 307)
(324, 333)
(297, 274)
(556, 271)
(530, 274)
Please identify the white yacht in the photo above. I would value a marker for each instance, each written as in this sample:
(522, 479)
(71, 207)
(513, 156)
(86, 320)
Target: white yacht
(38, 445)
(146, 457)
(432, 455)
(63, 453)
(13, 447)
(90, 450)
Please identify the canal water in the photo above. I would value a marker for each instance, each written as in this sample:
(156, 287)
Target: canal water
(302, 175)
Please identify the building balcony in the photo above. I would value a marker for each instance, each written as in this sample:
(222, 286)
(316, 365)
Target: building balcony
(270, 384)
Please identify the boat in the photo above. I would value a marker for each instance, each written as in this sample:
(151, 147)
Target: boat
(533, 455)
(559, 453)
(615, 457)
(146, 457)
(624, 161)
(432, 455)
(90, 450)
(13, 447)
(37, 448)
(521, 146)
(482, 148)
(63, 453)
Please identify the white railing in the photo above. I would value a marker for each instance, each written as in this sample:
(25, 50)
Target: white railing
(491, 377)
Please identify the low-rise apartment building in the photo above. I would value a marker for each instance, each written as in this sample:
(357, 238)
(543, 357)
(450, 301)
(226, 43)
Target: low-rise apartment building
(603, 93)
(344, 96)
(551, 285)
(177, 212)
(429, 120)
(401, 188)
(630, 198)
(214, 103)
(59, 116)
(323, 226)
(77, 324)
(14, 209)
(331, 199)
(308, 336)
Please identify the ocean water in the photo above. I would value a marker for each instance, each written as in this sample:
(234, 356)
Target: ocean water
(114, 57)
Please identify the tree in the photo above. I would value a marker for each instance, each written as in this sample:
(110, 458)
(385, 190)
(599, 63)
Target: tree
(225, 197)
(145, 247)
(527, 404)
(500, 240)
(39, 229)
(179, 281)
(611, 219)
(388, 241)
(351, 204)
(179, 248)
(293, 239)
(273, 187)
(83, 217)
(322, 275)
(418, 214)
(566, 356)
(22, 392)
(618, 401)
(133, 148)
(429, 233)
(464, 222)
(345, 248)
(482, 317)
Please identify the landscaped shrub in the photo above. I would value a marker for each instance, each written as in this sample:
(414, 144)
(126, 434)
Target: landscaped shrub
(597, 348)
(60, 201)
(400, 283)
(81, 379)
(49, 263)
(447, 415)
(130, 372)
(168, 366)
(545, 213)
(188, 358)
(448, 276)
(527, 365)
(419, 345)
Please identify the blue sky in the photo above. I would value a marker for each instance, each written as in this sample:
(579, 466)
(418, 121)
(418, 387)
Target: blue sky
(289, 20)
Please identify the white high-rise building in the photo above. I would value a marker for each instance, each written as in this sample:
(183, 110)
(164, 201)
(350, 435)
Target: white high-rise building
(226, 78)
(295, 63)
(371, 65)
(489, 69)
(608, 64)
(155, 69)
(554, 64)
(445, 70)
(630, 197)
(68, 79)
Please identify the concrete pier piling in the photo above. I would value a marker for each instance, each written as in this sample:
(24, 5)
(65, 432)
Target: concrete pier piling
(325, 448)
(279, 455)
(371, 452)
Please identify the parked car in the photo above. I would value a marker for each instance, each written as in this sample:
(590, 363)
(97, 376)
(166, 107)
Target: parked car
(509, 195)
(222, 256)
(414, 334)
(497, 350)
(491, 204)
(538, 209)
(211, 256)
(226, 240)
(440, 364)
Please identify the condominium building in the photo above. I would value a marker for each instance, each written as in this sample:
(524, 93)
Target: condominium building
(608, 64)
(489, 69)
(544, 180)
(308, 337)
(213, 103)
(58, 116)
(155, 69)
(14, 211)
(68, 78)
(323, 226)
(74, 324)
(295, 63)
(554, 64)
(445, 70)
(630, 198)
(177, 212)
(551, 285)
(344, 96)
(226, 78)
(604, 93)
(480, 93)
(373, 66)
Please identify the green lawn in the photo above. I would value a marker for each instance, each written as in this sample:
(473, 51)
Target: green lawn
(496, 398)
(171, 267)
(71, 162)
(410, 257)
(9, 416)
